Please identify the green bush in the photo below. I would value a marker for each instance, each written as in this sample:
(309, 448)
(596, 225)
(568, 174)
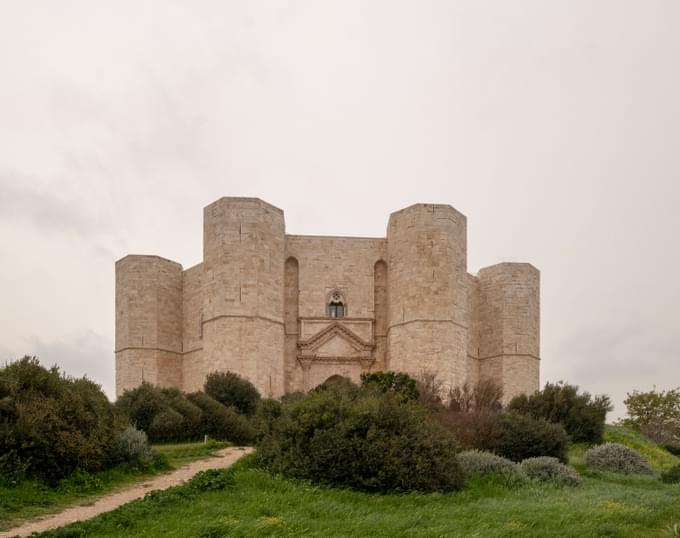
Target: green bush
(212, 480)
(141, 404)
(672, 476)
(399, 383)
(267, 411)
(132, 446)
(547, 469)
(51, 424)
(518, 437)
(617, 458)
(192, 415)
(231, 389)
(582, 415)
(477, 463)
(166, 426)
(222, 423)
(364, 439)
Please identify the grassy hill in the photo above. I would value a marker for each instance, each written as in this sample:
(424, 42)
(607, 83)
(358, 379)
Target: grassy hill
(257, 504)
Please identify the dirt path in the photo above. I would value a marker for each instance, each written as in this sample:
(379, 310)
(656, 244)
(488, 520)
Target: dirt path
(223, 458)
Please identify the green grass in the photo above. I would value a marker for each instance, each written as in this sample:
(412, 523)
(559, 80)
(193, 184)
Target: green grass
(181, 453)
(658, 457)
(31, 498)
(258, 504)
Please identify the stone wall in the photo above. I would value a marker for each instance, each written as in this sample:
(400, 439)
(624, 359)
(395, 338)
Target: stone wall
(257, 305)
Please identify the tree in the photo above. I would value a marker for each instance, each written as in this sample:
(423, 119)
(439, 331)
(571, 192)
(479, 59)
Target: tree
(582, 415)
(656, 414)
(231, 389)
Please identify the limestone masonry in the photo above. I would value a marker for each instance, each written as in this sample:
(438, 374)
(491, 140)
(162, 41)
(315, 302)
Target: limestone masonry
(288, 312)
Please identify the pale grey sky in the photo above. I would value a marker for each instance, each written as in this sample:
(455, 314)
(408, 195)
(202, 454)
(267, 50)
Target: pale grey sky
(553, 125)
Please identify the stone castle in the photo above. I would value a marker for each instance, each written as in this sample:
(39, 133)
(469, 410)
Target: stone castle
(288, 312)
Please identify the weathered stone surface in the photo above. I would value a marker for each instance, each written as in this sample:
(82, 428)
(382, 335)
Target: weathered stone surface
(258, 305)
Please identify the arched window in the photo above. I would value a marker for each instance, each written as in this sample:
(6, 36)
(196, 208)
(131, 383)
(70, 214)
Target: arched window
(336, 306)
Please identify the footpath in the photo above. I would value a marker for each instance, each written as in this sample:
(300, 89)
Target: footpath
(223, 458)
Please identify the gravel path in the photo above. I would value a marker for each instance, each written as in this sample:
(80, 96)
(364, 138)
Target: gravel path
(223, 458)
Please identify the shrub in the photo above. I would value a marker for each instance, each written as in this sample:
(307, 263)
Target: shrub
(50, 423)
(192, 416)
(363, 439)
(141, 404)
(222, 423)
(430, 389)
(672, 476)
(475, 430)
(518, 437)
(582, 415)
(480, 463)
(399, 383)
(166, 426)
(231, 389)
(657, 456)
(211, 480)
(484, 396)
(547, 469)
(617, 458)
(267, 411)
(132, 446)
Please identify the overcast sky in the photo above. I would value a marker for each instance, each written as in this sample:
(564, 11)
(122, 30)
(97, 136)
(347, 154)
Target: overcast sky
(553, 125)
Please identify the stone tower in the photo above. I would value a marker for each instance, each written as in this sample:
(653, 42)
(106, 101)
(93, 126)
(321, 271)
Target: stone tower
(290, 311)
(427, 261)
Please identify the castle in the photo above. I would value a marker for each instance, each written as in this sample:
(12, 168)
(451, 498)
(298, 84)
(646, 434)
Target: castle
(288, 312)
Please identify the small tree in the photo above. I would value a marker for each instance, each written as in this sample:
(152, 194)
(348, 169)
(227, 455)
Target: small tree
(582, 415)
(231, 389)
(656, 414)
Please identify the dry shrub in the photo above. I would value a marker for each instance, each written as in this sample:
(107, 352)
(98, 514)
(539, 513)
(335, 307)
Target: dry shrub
(484, 396)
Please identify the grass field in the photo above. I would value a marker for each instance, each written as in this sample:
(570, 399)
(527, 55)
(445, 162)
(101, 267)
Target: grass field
(32, 498)
(258, 504)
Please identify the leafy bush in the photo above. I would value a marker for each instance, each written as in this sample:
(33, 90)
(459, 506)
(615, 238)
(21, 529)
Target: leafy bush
(480, 463)
(141, 404)
(672, 476)
(231, 389)
(166, 426)
(212, 480)
(361, 438)
(132, 446)
(267, 411)
(222, 423)
(51, 424)
(617, 458)
(582, 415)
(192, 416)
(518, 437)
(547, 469)
(399, 383)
